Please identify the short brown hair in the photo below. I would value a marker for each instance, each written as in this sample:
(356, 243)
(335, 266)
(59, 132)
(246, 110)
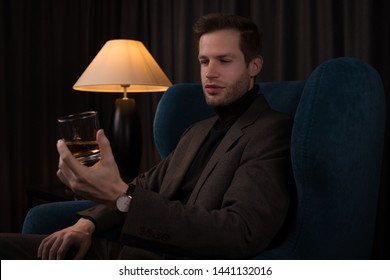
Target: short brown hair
(250, 38)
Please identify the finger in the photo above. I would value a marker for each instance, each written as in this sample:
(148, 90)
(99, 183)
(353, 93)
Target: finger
(62, 250)
(53, 251)
(62, 148)
(62, 178)
(67, 160)
(40, 249)
(64, 173)
(104, 146)
(44, 248)
(84, 247)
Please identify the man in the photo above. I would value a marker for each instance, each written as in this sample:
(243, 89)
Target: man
(223, 191)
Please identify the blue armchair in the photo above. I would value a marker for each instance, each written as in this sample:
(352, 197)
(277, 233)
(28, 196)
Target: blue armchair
(337, 143)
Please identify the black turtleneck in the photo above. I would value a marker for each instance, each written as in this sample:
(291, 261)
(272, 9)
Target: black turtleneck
(227, 116)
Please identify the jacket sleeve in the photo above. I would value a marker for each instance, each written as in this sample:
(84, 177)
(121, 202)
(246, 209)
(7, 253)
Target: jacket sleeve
(103, 217)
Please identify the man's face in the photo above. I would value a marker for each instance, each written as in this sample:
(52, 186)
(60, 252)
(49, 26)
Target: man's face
(224, 73)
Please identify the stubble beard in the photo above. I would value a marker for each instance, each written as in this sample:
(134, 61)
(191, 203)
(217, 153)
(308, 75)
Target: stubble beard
(230, 94)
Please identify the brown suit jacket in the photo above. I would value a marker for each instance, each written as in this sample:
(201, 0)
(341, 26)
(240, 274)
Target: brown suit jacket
(237, 206)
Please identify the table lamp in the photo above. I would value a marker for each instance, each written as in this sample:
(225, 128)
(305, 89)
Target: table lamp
(124, 66)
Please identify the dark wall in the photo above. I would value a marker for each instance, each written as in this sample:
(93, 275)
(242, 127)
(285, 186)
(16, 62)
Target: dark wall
(45, 46)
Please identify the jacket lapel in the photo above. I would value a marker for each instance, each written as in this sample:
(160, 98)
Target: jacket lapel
(176, 174)
(233, 135)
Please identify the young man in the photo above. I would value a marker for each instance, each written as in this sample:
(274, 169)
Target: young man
(223, 191)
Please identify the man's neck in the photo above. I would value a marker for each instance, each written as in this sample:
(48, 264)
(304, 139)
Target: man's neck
(232, 111)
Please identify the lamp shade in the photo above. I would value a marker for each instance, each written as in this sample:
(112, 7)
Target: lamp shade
(123, 63)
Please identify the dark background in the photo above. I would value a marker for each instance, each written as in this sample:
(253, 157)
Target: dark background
(46, 45)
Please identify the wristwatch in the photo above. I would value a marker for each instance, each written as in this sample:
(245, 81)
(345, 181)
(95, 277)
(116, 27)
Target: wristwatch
(123, 202)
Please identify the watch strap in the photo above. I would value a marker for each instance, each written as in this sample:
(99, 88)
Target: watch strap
(130, 189)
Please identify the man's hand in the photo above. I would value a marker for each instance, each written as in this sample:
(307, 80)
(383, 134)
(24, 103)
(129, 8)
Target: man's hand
(57, 245)
(101, 182)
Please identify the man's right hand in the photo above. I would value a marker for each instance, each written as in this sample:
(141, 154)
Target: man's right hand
(57, 245)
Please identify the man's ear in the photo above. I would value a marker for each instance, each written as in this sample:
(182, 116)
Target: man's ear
(255, 66)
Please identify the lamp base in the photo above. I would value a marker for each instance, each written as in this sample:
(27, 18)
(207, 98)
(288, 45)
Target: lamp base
(125, 139)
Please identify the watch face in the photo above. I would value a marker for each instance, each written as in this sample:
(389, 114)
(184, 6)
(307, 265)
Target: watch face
(123, 203)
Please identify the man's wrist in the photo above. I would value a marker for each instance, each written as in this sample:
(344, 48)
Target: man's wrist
(86, 226)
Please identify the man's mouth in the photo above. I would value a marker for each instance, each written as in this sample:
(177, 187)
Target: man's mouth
(213, 88)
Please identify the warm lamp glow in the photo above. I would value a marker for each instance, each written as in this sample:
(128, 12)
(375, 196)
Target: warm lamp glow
(123, 64)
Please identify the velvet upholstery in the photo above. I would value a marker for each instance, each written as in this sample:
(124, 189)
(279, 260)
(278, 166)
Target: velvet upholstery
(337, 145)
(50, 217)
(336, 150)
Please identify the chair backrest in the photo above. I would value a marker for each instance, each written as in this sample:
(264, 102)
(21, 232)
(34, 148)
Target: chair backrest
(336, 150)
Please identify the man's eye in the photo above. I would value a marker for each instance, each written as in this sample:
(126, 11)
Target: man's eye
(223, 61)
(203, 62)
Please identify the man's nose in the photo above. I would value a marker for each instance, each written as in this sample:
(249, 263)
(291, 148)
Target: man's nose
(212, 70)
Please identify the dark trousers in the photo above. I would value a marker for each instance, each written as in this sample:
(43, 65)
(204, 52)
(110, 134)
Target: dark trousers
(15, 246)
